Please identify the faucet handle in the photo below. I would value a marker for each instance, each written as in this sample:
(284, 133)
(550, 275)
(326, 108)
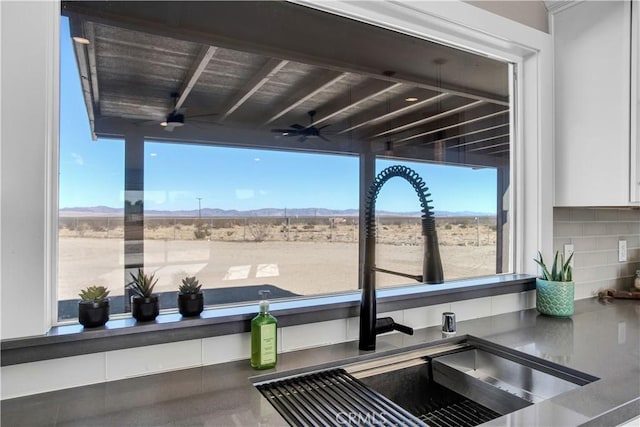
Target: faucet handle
(402, 328)
(386, 324)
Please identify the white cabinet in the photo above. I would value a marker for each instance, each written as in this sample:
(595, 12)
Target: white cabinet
(635, 103)
(593, 94)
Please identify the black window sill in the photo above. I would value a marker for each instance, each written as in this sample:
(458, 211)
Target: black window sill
(73, 340)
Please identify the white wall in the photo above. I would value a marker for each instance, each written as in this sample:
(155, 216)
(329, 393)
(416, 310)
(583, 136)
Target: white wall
(29, 132)
(531, 13)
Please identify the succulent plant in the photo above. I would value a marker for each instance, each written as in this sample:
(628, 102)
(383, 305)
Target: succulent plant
(189, 285)
(94, 293)
(562, 274)
(142, 285)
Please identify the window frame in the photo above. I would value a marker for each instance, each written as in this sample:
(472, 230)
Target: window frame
(457, 23)
(399, 17)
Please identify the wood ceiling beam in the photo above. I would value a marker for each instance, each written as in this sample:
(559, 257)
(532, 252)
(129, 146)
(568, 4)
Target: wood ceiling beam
(477, 141)
(197, 28)
(395, 113)
(93, 68)
(430, 153)
(307, 91)
(415, 123)
(197, 68)
(268, 70)
(480, 116)
(487, 147)
(466, 134)
(82, 59)
(357, 96)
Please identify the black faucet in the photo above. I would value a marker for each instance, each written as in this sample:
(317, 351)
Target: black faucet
(370, 326)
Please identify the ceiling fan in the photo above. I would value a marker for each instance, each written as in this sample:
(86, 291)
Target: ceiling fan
(303, 132)
(174, 120)
(178, 117)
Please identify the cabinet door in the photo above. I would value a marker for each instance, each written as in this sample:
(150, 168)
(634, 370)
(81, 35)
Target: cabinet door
(635, 105)
(592, 100)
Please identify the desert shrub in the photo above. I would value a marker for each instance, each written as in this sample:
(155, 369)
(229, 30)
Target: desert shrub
(448, 227)
(308, 227)
(259, 232)
(201, 232)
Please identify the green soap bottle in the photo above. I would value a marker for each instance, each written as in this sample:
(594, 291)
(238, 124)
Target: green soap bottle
(264, 341)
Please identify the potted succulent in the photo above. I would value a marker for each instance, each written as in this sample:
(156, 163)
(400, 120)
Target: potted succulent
(555, 288)
(190, 297)
(93, 308)
(144, 305)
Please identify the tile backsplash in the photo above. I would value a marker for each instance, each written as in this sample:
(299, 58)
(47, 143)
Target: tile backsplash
(595, 233)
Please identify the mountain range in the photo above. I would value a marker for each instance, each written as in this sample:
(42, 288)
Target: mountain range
(264, 212)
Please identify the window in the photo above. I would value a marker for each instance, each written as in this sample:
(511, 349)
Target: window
(242, 220)
(91, 221)
(236, 105)
(464, 202)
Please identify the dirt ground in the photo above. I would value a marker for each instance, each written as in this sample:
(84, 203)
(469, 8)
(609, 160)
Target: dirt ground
(306, 260)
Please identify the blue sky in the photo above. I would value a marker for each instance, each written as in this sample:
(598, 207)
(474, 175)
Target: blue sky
(92, 172)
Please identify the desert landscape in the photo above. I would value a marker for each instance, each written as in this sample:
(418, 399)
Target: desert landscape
(302, 255)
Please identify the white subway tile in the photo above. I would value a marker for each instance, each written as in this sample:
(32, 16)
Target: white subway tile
(226, 348)
(618, 228)
(589, 289)
(607, 243)
(569, 229)
(607, 214)
(137, 361)
(472, 309)
(507, 303)
(595, 229)
(581, 244)
(529, 299)
(353, 328)
(55, 374)
(562, 214)
(314, 334)
(424, 317)
(580, 214)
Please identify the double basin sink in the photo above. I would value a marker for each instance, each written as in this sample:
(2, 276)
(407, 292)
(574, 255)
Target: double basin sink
(464, 381)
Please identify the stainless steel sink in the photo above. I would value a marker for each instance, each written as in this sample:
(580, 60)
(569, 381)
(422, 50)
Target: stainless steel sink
(465, 382)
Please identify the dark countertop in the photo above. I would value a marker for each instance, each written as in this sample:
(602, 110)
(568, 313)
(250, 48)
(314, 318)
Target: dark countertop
(601, 339)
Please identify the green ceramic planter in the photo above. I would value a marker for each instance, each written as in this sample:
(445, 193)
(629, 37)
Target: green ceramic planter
(554, 298)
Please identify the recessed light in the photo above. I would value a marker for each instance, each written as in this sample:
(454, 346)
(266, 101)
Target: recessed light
(411, 99)
(164, 124)
(81, 40)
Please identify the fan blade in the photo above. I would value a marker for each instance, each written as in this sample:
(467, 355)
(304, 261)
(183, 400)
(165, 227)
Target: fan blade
(323, 138)
(149, 123)
(286, 132)
(297, 126)
(322, 127)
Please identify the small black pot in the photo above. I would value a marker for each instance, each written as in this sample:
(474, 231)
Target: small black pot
(190, 304)
(93, 314)
(145, 309)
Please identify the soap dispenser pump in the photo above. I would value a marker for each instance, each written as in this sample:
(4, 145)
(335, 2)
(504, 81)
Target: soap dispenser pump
(264, 342)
